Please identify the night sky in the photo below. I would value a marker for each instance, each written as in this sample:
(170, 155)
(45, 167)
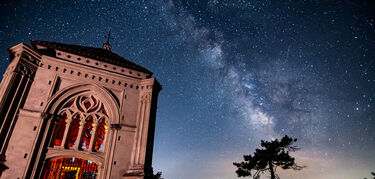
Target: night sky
(233, 73)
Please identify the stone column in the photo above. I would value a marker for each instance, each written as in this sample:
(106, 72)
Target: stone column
(25, 76)
(80, 130)
(105, 137)
(4, 146)
(144, 133)
(111, 144)
(93, 135)
(66, 131)
(8, 80)
(137, 162)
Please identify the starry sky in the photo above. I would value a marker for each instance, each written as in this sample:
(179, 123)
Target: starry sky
(233, 73)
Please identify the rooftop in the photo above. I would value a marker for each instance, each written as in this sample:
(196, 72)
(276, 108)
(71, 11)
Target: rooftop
(100, 54)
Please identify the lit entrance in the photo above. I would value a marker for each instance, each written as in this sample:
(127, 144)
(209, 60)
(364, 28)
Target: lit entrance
(70, 168)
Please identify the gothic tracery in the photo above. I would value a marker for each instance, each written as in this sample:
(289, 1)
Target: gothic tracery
(82, 124)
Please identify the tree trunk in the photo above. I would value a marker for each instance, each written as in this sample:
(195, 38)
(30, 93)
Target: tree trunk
(271, 170)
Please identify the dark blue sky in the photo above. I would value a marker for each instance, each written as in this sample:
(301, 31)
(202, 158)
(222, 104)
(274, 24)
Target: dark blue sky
(233, 73)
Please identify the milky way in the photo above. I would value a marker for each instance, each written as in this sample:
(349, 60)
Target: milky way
(233, 73)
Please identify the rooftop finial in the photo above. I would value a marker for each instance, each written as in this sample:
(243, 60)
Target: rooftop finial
(106, 45)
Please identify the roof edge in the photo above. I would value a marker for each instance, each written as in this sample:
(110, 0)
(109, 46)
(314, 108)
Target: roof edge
(99, 54)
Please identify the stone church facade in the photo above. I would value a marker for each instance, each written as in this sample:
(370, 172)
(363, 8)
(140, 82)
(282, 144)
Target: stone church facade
(70, 111)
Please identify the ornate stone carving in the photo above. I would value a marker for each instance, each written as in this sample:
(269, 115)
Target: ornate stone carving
(30, 58)
(85, 107)
(24, 70)
(86, 117)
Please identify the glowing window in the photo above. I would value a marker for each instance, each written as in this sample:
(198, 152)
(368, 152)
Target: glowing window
(100, 133)
(83, 119)
(71, 168)
(60, 128)
(87, 133)
(73, 131)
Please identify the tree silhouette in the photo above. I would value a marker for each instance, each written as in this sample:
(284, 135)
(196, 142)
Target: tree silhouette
(373, 174)
(157, 176)
(272, 155)
(154, 176)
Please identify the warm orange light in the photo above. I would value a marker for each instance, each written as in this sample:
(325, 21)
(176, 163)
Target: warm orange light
(70, 168)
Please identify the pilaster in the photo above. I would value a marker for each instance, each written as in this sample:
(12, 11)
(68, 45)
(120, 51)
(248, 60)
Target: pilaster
(14, 88)
(137, 164)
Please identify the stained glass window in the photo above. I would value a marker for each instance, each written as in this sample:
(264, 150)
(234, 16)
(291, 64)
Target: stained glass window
(100, 133)
(86, 119)
(73, 131)
(59, 131)
(70, 168)
(87, 132)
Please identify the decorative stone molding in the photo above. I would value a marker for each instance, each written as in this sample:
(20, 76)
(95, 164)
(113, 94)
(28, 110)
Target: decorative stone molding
(135, 170)
(86, 107)
(104, 95)
(146, 97)
(35, 114)
(22, 69)
(97, 157)
(96, 77)
(30, 58)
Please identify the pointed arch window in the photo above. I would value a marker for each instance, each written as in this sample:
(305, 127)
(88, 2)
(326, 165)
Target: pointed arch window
(82, 124)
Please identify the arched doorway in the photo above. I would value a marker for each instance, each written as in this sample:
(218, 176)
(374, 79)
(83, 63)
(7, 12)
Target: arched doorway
(71, 168)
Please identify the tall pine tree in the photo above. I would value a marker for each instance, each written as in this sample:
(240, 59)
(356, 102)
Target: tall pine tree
(273, 154)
